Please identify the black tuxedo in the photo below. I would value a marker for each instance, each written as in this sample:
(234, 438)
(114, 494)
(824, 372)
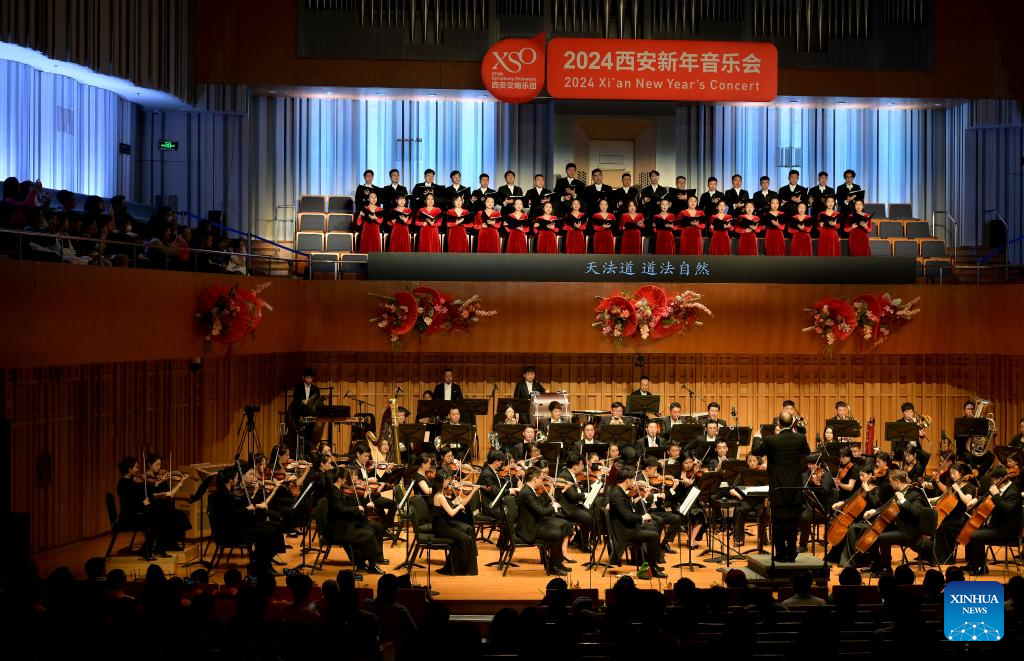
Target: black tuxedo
(449, 194)
(709, 202)
(523, 390)
(419, 194)
(623, 196)
(735, 201)
(906, 530)
(817, 196)
(592, 196)
(788, 205)
(761, 200)
(571, 501)
(786, 452)
(362, 196)
(535, 200)
(538, 521)
(565, 187)
(651, 198)
(347, 525)
(387, 196)
(456, 392)
(297, 410)
(628, 527)
(505, 193)
(490, 484)
(476, 200)
(841, 192)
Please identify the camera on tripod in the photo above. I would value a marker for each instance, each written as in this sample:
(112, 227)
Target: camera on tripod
(251, 410)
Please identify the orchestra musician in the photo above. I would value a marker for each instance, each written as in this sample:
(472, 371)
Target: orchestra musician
(785, 452)
(906, 529)
(1018, 440)
(453, 520)
(135, 512)
(491, 484)
(674, 417)
(162, 486)
(347, 524)
(659, 503)
(717, 462)
(240, 520)
(747, 504)
(630, 527)
(816, 479)
(913, 464)
(528, 385)
(539, 521)
(983, 462)
(799, 422)
(651, 438)
(570, 497)
(616, 416)
(447, 390)
(644, 388)
(966, 499)
(714, 410)
(847, 478)
(305, 400)
(361, 468)
(587, 437)
(908, 415)
(1003, 526)
(689, 478)
(556, 417)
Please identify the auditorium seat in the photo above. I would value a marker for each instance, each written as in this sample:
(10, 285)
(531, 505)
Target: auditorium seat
(889, 229)
(880, 247)
(934, 267)
(340, 242)
(325, 262)
(309, 241)
(340, 204)
(900, 210)
(904, 247)
(353, 263)
(917, 229)
(312, 204)
(932, 247)
(339, 222)
(311, 222)
(875, 208)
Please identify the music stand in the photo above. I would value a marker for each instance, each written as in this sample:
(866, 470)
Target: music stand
(566, 433)
(1002, 452)
(901, 433)
(686, 433)
(471, 406)
(641, 405)
(657, 453)
(767, 429)
(551, 452)
(519, 405)
(844, 428)
(458, 437)
(965, 427)
(433, 408)
(741, 435)
(732, 469)
(510, 438)
(411, 435)
(618, 434)
(755, 478)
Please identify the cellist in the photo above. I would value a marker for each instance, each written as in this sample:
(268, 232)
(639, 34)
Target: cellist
(1003, 527)
(905, 529)
(949, 527)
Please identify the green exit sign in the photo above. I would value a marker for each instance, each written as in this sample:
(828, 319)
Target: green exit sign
(168, 145)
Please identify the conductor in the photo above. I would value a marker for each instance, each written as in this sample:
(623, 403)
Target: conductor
(786, 452)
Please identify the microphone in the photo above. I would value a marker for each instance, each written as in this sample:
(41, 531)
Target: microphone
(346, 394)
(398, 389)
(732, 411)
(817, 438)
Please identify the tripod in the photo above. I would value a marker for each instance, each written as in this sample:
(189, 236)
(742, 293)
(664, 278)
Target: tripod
(247, 436)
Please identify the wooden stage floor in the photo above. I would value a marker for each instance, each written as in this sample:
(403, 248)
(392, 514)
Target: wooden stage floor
(523, 583)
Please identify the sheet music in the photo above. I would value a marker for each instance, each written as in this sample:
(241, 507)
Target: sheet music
(754, 490)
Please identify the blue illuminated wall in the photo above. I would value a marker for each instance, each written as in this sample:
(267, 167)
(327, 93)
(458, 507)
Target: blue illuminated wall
(63, 132)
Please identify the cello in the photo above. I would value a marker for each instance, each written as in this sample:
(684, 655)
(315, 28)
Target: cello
(980, 514)
(947, 502)
(852, 508)
(886, 515)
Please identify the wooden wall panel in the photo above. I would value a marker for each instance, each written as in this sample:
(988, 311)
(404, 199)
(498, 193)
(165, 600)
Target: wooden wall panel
(72, 424)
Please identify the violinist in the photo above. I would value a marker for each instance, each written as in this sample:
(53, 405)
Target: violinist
(347, 524)
(570, 498)
(689, 478)
(1004, 525)
(747, 504)
(240, 520)
(279, 501)
(162, 487)
(670, 524)
(538, 521)
(966, 499)
(450, 505)
(322, 477)
(364, 470)
(491, 484)
(913, 465)
(135, 512)
(421, 478)
(628, 526)
(906, 529)
(816, 479)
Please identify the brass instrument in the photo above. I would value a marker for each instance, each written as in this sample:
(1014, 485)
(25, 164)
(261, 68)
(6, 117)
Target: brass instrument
(923, 422)
(540, 437)
(979, 445)
(799, 420)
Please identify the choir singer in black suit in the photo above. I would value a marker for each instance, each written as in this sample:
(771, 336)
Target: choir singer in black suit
(448, 390)
(785, 452)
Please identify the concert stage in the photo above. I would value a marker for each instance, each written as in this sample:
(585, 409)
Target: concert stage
(645, 268)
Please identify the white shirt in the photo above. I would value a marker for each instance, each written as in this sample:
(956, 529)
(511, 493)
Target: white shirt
(529, 386)
(598, 186)
(651, 442)
(447, 391)
(737, 191)
(308, 388)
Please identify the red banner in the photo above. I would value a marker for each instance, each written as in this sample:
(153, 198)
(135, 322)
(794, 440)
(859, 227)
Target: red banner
(653, 70)
(513, 69)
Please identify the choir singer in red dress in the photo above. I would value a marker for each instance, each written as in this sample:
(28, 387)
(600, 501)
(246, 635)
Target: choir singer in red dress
(487, 224)
(691, 222)
(546, 228)
(371, 217)
(400, 220)
(748, 226)
(575, 226)
(775, 227)
(517, 228)
(456, 220)
(601, 223)
(858, 226)
(665, 229)
(721, 228)
(632, 226)
(800, 227)
(428, 220)
(828, 229)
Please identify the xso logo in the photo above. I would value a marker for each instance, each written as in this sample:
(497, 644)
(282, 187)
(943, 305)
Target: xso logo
(513, 61)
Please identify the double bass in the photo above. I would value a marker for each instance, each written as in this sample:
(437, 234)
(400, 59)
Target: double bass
(980, 514)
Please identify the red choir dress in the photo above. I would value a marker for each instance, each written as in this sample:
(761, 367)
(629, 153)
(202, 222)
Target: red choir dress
(458, 237)
(575, 237)
(631, 226)
(488, 238)
(828, 235)
(665, 233)
(860, 243)
(800, 227)
(604, 238)
(748, 239)
(691, 237)
(774, 237)
(401, 238)
(546, 228)
(517, 225)
(428, 219)
(370, 220)
(721, 242)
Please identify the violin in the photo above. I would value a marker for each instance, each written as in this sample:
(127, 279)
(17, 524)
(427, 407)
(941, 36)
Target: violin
(1013, 472)
(515, 470)
(664, 480)
(841, 474)
(456, 467)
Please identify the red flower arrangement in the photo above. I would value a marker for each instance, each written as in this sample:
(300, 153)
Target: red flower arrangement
(227, 314)
(873, 318)
(427, 312)
(647, 314)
